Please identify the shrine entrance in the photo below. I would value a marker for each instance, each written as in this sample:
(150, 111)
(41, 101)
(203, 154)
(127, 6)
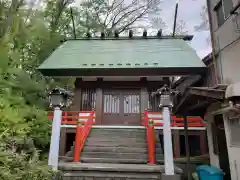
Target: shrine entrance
(121, 107)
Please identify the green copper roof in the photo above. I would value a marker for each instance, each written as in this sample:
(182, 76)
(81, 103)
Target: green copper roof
(82, 55)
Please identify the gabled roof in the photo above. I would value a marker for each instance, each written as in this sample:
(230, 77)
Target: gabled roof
(86, 56)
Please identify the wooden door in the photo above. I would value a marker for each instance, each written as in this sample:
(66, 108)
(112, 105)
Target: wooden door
(111, 107)
(131, 108)
(121, 107)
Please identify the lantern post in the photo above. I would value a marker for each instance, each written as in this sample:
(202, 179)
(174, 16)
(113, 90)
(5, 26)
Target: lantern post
(58, 98)
(166, 105)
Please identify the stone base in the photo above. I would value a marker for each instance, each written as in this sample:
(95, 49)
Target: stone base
(170, 177)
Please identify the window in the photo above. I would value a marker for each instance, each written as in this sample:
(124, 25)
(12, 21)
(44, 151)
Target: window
(235, 129)
(88, 99)
(222, 10)
(227, 5)
(219, 13)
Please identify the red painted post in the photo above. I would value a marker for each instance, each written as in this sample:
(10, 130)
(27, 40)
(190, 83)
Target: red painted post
(77, 147)
(151, 142)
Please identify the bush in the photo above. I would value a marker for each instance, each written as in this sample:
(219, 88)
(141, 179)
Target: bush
(19, 161)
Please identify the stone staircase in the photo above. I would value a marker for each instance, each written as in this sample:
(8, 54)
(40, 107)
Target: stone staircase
(114, 154)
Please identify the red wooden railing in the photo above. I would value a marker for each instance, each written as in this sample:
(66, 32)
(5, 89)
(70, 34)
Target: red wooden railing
(81, 136)
(193, 121)
(149, 121)
(72, 117)
(84, 121)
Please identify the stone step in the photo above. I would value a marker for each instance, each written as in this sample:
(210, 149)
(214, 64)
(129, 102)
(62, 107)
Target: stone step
(113, 160)
(114, 137)
(118, 130)
(131, 155)
(117, 144)
(103, 171)
(159, 161)
(110, 139)
(121, 155)
(114, 149)
(158, 150)
(96, 175)
(143, 168)
(125, 135)
(125, 149)
(159, 156)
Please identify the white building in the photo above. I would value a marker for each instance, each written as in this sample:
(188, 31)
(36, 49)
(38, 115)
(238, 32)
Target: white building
(208, 96)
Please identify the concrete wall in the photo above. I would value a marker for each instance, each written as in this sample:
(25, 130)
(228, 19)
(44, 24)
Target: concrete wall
(227, 44)
(233, 151)
(214, 159)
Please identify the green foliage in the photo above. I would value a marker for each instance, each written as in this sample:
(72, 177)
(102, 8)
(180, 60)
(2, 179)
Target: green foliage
(19, 161)
(27, 36)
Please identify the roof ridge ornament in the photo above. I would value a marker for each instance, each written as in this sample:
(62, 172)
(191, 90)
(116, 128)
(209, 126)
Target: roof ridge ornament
(145, 33)
(130, 34)
(88, 34)
(159, 33)
(116, 34)
(102, 35)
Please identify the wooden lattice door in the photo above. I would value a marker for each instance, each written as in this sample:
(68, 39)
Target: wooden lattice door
(121, 107)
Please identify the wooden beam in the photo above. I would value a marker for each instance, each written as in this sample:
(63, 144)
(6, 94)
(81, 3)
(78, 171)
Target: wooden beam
(183, 100)
(63, 139)
(176, 143)
(99, 105)
(77, 100)
(203, 142)
(110, 84)
(198, 105)
(207, 92)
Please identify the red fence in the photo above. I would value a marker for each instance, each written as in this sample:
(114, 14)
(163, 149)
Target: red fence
(151, 119)
(156, 117)
(85, 119)
(73, 117)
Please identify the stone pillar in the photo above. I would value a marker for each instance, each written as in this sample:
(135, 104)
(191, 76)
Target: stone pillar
(167, 136)
(55, 137)
(166, 105)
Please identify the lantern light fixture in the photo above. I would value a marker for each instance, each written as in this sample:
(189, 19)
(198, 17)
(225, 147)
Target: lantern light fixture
(59, 97)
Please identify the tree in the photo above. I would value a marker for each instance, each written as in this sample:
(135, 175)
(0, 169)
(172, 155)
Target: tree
(27, 36)
(96, 16)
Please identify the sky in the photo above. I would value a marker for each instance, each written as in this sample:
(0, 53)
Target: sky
(188, 11)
